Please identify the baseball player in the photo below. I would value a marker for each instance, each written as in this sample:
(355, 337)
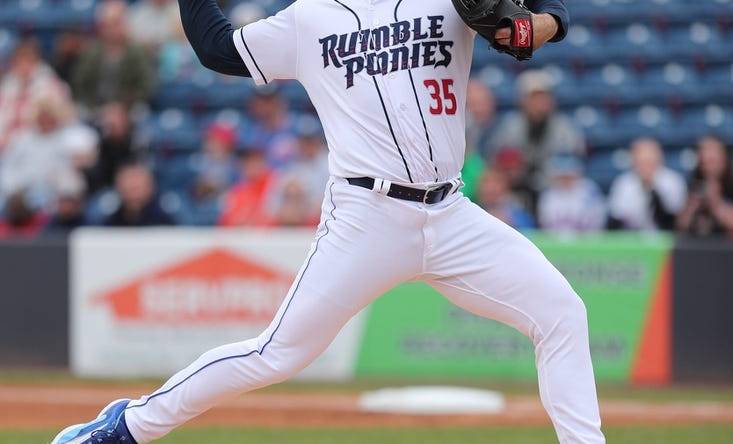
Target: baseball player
(388, 79)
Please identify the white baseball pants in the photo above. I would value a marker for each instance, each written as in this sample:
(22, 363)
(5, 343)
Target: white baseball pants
(368, 243)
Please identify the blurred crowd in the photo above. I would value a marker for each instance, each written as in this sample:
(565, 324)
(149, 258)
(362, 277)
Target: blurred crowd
(72, 153)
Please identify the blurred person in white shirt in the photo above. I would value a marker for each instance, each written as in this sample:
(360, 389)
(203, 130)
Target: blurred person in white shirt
(649, 196)
(35, 157)
(572, 203)
(27, 80)
(153, 22)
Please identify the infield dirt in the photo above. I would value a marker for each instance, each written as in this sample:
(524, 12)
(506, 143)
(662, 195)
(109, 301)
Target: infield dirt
(31, 407)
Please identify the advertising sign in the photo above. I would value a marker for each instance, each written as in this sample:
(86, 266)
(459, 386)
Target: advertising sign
(148, 302)
(622, 280)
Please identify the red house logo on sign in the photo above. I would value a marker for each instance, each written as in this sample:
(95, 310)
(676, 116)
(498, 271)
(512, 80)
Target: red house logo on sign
(214, 287)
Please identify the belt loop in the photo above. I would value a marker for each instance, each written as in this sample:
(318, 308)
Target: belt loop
(382, 186)
(457, 184)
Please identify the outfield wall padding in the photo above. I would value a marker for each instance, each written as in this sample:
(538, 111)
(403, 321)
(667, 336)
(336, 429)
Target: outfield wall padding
(34, 302)
(703, 311)
(661, 310)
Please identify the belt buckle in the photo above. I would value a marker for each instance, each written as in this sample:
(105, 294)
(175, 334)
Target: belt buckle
(431, 189)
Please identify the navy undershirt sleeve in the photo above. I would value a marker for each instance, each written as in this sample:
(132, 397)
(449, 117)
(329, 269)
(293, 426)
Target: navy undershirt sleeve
(557, 9)
(210, 35)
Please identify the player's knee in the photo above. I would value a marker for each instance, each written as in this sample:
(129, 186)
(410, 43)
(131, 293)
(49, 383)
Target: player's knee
(573, 317)
(282, 367)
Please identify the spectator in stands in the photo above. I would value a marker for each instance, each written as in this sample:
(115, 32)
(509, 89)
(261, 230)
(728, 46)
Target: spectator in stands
(648, 197)
(709, 207)
(244, 13)
(295, 200)
(273, 126)
(55, 143)
(538, 129)
(495, 197)
(311, 163)
(68, 47)
(216, 169)
(20, 217)
(572, 203)
(246, 202)
(112, 69)
(28, 79)
(480, 116)
(291, 205)
(151, 22)
(118, 145)
(177, 60)
(139, 205)
(513, 166)
(68, 212)
(480, 113)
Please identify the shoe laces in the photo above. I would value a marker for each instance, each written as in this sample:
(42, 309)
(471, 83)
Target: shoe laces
(109, 436)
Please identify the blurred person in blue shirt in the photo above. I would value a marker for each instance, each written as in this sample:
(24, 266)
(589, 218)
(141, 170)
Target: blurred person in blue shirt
(572, 203)
(273, 126)
(495, 197)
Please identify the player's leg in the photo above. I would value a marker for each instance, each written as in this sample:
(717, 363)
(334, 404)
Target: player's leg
(487, 268)
(359, 253)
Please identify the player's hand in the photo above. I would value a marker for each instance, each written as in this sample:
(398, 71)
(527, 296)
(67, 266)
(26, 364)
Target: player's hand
(545, 28)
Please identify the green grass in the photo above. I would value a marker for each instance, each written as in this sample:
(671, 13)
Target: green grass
(721, 393)
(495, 435)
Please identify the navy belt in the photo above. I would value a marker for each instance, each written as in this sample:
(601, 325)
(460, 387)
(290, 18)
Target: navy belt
(434, 194)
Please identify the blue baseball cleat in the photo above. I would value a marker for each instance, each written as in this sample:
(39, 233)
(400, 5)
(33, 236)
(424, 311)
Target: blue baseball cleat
(108, 428)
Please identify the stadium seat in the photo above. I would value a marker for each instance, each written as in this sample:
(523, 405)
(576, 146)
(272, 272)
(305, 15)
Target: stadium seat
(173, 130)
(605, 166)
(699, 40)
(7, 43)
(176, 172)
(717, 83)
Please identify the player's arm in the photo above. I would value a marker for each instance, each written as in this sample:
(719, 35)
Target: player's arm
(550, 21)
(211, 36)
(555, 10)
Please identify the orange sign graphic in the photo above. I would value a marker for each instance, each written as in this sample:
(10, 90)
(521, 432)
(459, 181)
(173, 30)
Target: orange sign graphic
(214, 287)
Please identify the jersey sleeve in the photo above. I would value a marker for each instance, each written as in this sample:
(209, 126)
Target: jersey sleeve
(269, 47)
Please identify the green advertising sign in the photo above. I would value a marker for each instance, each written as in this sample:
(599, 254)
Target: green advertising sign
(413, 331)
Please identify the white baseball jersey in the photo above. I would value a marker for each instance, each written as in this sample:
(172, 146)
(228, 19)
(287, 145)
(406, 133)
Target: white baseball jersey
(388, 79)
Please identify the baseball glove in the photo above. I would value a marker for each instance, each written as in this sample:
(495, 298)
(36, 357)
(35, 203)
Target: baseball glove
(487, 16)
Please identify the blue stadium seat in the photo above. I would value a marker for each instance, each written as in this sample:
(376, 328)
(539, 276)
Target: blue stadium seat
(173, 130)
(47, 14)
(717, 83)
(581, 43)
(610, 81)
(711, 119)
(699, 39)
(7, 43)
(605, 166)
(296, 96)
(175, 173)
(596, 125)
(638, 39)
(666, 82)
(101, 205)
(205, 92)
(501, 82)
